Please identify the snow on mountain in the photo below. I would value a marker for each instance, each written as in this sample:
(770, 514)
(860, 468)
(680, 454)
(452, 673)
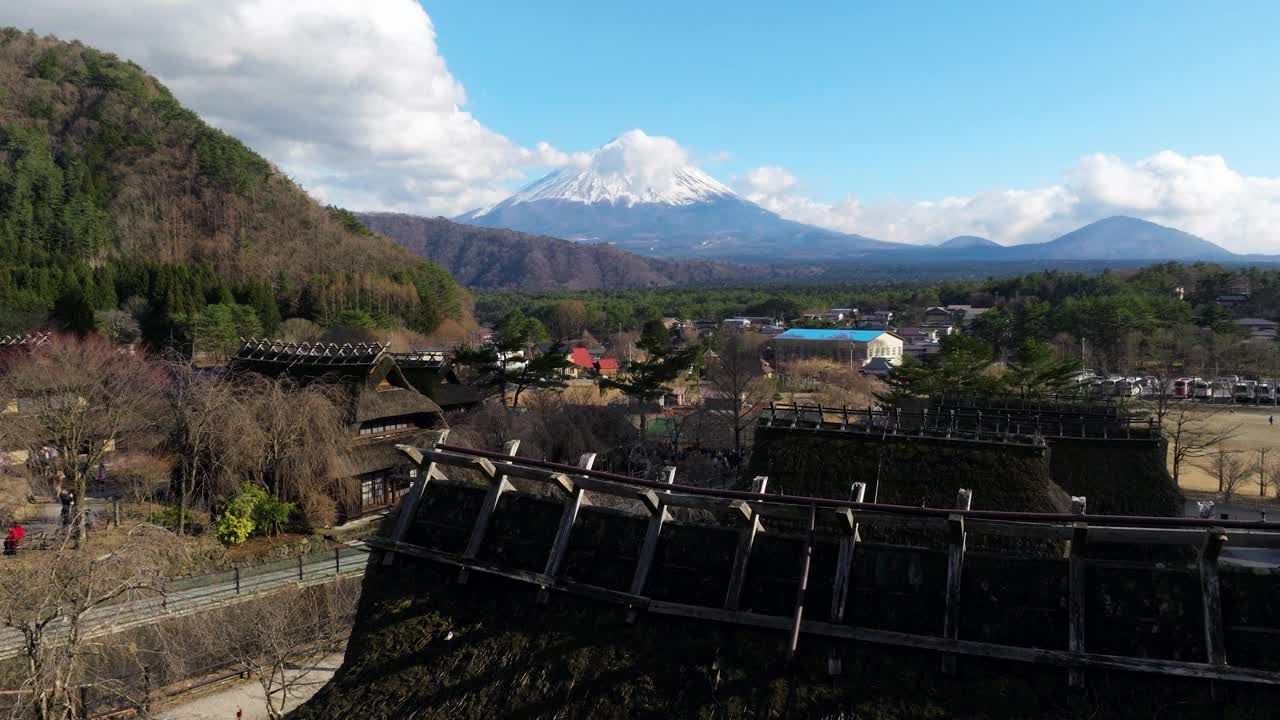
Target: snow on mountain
(643, 194)
(631, 169)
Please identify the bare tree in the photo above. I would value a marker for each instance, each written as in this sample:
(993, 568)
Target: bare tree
(55, 600)
(82, 397)
(1194, 432)
(206, 428)
(299, 431)
(1231, 471)
(1265, 471)
(282, 640)
(739, 387)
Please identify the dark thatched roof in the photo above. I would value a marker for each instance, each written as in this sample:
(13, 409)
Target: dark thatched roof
(380, 453)
(373, 403)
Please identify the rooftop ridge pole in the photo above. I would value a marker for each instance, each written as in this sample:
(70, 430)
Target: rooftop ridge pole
(742, 554)
(844, 562)
(805, 559)
(569, 516)
(955, 565)
(659, 515)
(412, 499)
(498, 485)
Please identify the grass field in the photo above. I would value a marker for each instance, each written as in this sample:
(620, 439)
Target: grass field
(1254, 432)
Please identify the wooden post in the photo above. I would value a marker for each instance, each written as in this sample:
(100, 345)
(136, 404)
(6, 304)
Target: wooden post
(337, 562)
(955, 564)
(409, 503)
(805, 558)
(1211, 594)
(844, 563)
(658, 516)
(844, 414)
(568, 517)
(742, 555)
(115, 509)
(1076, 589)
(299, 568)
(497, 486)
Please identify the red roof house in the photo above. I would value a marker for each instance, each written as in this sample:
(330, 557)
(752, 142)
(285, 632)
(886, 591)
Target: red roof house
(582, 359)
(607, 366)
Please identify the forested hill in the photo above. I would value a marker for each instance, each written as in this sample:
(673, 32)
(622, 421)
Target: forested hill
(484, 257)
(111, 193)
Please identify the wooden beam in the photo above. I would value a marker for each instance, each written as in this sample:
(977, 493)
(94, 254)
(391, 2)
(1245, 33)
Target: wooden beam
(844, 559)
(1211, 595)
(568, 516)
(1076, 589)
(955, 565)
(806, 558)
(412, 499)
(650, 547)
(742, 555)
(497, 486)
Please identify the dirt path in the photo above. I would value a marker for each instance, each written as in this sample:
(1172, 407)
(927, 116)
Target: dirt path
(247, 696)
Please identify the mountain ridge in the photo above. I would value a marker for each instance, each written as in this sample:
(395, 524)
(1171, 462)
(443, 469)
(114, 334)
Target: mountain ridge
(498, 258)
(109, 188)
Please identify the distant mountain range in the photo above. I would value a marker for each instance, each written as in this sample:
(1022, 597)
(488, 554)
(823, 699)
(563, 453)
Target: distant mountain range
(679, 212)
(493, 258)
(1114, 238)
(682, 212)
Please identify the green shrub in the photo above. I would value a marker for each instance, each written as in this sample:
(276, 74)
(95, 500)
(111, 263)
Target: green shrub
(232, 530)
(271, 516)
(167, 517)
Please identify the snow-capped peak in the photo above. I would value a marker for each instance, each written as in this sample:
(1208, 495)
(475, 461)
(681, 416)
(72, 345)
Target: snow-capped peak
(631, 169)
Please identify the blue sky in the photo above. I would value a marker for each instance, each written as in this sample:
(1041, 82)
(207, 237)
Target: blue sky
(914, 100)
(905, 121)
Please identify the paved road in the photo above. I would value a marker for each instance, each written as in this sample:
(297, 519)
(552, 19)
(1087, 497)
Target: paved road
(190, 594)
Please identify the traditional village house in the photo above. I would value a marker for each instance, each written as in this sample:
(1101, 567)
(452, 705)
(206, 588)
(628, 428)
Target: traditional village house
(607, 367)
(382, 409)
(432, 373)
(11, 452)
(582, 361)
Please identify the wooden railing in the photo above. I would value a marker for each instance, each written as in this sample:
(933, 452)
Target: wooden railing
(978, 425)
(752, 511)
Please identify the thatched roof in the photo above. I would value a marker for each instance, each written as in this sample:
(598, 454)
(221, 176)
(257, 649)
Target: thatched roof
(373, 403)
(376, 454)
(376, 386)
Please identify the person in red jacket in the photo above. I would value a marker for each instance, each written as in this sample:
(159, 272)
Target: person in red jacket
(13, 540)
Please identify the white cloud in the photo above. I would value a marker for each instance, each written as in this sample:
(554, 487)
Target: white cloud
(352, 99)
(1199, 194)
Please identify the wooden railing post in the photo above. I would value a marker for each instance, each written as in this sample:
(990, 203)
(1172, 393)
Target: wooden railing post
(955, 565)
(1076, 589)
(568, 517)
(742, 555)
(658, 516)
(497, 486)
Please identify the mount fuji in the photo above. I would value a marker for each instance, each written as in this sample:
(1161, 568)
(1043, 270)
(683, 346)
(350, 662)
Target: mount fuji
(642, 194)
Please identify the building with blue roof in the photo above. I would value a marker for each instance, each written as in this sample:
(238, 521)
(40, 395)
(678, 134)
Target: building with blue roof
(855, 347)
